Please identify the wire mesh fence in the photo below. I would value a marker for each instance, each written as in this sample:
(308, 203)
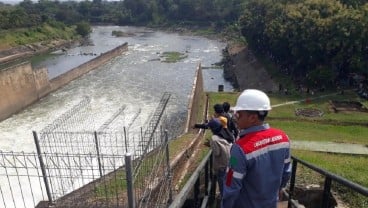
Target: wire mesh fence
(22, 184)
(152, 176)
(77, 167)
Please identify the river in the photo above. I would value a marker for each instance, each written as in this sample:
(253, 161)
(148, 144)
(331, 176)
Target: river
(136, 79)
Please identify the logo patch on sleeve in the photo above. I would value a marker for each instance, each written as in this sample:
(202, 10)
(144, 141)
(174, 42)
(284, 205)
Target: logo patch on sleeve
(233, 161)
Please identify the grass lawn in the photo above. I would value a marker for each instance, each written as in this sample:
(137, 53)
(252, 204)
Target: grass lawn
(314, 131)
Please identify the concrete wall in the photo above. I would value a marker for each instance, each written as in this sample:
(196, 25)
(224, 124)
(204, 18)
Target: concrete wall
(17, 89)
(195, 101)
(21, 85)
(42, 83)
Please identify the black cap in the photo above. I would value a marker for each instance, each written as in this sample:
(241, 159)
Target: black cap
(218, 108)
(226, 106)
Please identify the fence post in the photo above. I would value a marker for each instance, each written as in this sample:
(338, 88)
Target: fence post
(98, 154)
(292, 182)
(43, 169)
(169, 175)
(125, 140)
(129, 178)
(326, 192)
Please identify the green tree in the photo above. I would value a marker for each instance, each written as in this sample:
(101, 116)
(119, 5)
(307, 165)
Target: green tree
(313, 37)
(83, 29)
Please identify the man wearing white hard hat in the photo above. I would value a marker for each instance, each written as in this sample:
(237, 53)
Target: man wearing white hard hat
(259, 163)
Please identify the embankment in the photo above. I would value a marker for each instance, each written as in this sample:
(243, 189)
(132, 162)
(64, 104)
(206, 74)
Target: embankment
(243, 69)
(21, 85)
(10, 55)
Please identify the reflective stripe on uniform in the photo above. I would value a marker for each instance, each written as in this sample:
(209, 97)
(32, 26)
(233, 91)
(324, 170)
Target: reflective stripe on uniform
(238, 175)
(235, 174)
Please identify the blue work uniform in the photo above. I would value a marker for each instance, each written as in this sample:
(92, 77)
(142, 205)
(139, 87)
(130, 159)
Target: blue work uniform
(259, 166)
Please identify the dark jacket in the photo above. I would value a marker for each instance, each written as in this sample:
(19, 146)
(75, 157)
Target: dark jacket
(217, 129)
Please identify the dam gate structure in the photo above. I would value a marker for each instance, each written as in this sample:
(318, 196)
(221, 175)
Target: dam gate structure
(76, 166)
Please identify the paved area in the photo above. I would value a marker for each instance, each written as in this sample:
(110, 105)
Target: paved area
(330, 147)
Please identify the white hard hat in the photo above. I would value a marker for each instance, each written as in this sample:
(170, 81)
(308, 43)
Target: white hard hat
(252, 100)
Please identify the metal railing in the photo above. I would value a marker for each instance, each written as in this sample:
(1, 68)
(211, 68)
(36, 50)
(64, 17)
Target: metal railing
(329, 177)
(204, 198)
(192, 189)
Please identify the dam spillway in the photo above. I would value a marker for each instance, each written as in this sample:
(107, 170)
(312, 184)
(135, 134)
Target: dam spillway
(133, 79)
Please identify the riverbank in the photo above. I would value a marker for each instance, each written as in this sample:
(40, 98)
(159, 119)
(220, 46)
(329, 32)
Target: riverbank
(241, 67)
(25, 51)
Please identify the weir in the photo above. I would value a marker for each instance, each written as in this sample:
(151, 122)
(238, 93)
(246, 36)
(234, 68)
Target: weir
(21, 85)
(76, 168)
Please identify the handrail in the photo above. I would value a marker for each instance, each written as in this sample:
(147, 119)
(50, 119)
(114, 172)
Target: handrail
(194, 182)
(343, 181)
(329, 177)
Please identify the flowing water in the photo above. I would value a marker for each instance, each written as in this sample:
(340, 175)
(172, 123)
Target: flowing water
(136, 79)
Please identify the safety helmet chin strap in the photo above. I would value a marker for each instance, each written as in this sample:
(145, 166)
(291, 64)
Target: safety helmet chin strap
(262, 115)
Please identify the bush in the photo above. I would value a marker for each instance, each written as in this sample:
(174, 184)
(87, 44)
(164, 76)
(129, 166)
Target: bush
(83, 29)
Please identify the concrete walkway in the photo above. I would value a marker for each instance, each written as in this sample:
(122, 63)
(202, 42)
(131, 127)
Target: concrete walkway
(332, 147)
(302, 100)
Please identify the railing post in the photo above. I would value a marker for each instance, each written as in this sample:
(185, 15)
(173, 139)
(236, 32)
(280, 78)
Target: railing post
(129, 178)
(98, 154)
(326, 192)
(213, 180)
(206, 177)
(169, 175)
(196, 192)
(42, 165)
(292, 182)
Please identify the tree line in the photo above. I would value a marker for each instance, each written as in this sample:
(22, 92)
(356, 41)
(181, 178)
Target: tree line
(314, 39)
(320, 41)
(137, 12)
